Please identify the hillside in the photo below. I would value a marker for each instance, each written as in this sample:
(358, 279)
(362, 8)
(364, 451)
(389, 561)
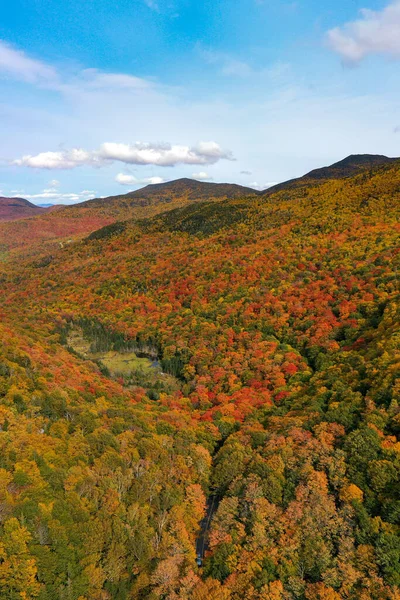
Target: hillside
(348, 167)
(237, 358)
(12, 209)
(187, 190)
(62, 224)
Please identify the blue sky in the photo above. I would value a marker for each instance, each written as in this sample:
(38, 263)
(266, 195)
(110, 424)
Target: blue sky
(101, 97)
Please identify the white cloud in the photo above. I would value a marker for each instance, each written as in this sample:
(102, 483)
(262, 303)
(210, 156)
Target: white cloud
(162, 155)
(124, 179)
(376, 32)
(54, 183)
(202, 176)
(275, 129)
(18, 65)
(263, 186)
(52, 196)
(59, 160)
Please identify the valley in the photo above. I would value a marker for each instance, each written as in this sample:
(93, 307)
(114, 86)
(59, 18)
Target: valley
(199, 395)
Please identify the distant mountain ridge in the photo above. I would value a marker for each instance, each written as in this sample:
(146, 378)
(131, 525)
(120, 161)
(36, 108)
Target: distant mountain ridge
(208, 217)
(195, 189)
(348, 167)
(59, 222)
(12, 209)
(189, 190)
(192, 190)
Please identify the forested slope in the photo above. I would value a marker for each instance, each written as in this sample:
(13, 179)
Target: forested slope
(348, 167)
(275, 324)
(67, 224)
(17, 208)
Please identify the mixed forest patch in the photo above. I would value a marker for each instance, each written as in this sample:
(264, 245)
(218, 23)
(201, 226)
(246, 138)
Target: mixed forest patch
(135, 363)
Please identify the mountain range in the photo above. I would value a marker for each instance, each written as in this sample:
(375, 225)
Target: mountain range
(28, 226)
(188, 190)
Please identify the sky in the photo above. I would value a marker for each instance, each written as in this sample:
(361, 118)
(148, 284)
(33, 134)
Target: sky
(102, 97)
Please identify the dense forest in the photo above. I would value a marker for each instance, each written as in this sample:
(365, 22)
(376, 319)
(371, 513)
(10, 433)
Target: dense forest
(267, 335)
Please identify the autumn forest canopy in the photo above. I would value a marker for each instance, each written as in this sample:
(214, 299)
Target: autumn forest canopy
(199, 392)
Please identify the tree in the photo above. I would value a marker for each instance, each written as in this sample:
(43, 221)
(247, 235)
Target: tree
(18, 571)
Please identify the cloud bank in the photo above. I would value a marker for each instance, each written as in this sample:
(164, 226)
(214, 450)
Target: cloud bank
(162, 155)
(376, 32)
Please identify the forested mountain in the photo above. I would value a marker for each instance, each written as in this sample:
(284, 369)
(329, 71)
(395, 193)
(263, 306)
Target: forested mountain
(17, 208)
(185, 189)
(71, 223)
(240, 353)
(348, 167)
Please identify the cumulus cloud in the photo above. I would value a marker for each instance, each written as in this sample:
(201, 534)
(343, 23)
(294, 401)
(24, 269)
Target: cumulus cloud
(202, 176)
(376, 32)
(68, 159)
(17, 64)
(125, 179)
(162, 155)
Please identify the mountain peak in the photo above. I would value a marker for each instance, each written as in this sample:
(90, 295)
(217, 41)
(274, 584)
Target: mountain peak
(193, 187)
(15, 201)
(347, 167)
(184, 189)
(366, 158)
(351, 165)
